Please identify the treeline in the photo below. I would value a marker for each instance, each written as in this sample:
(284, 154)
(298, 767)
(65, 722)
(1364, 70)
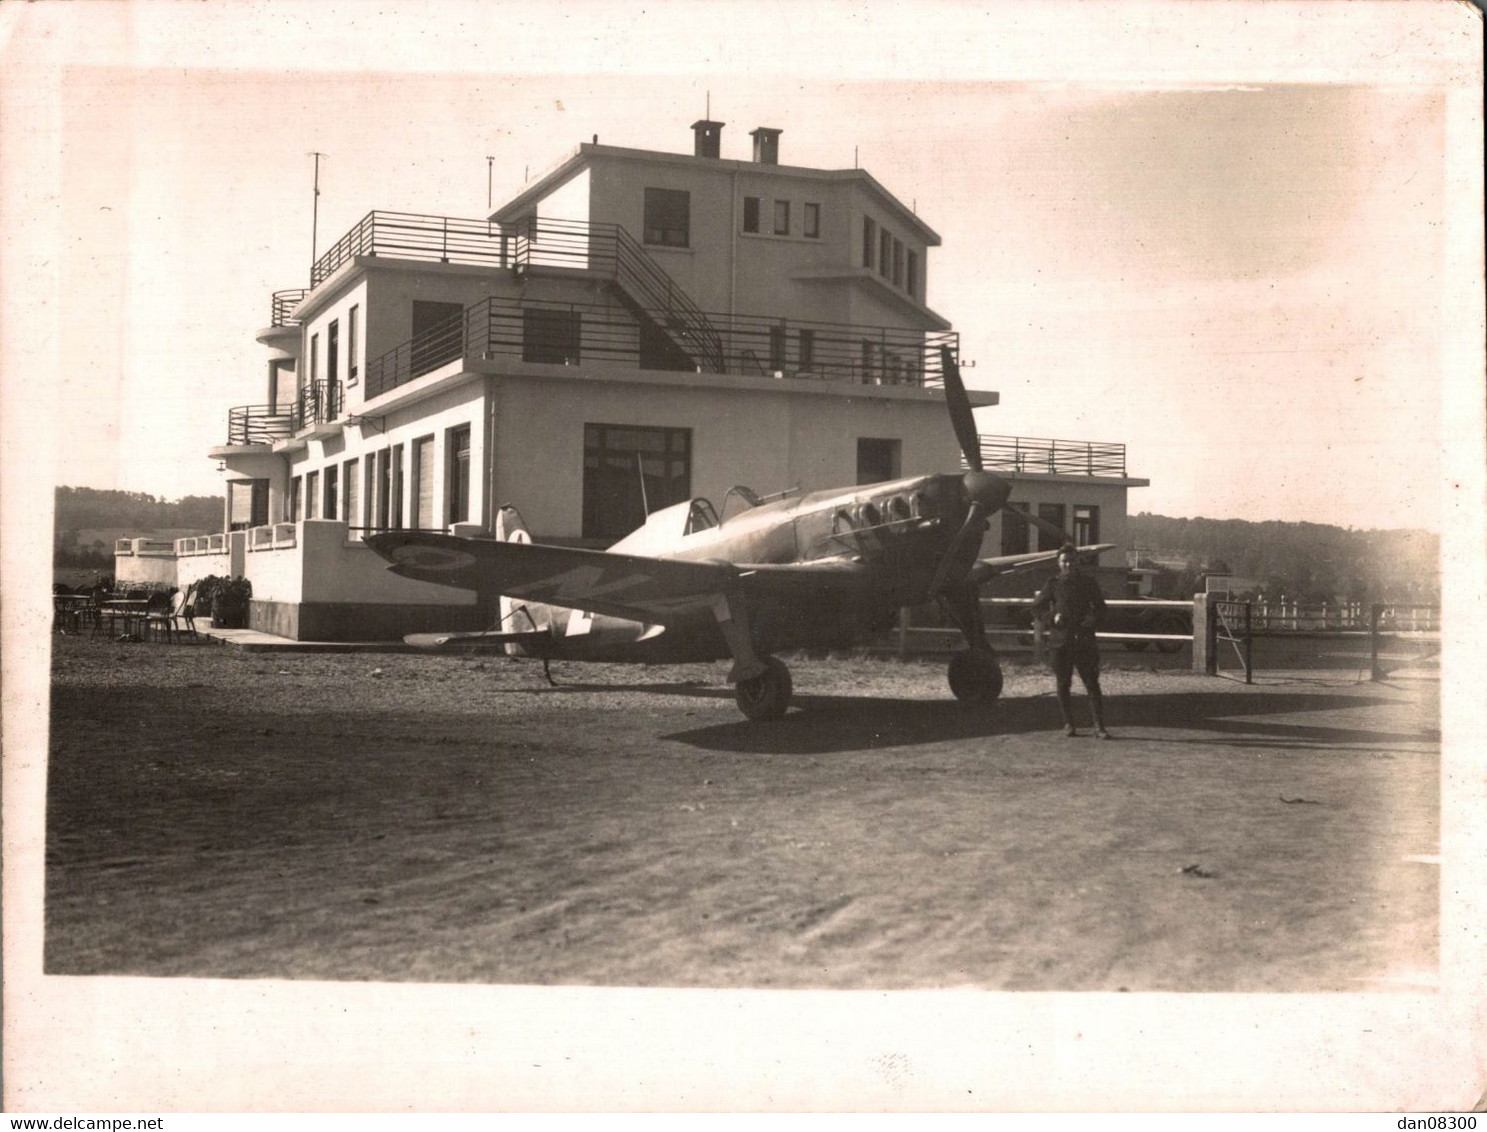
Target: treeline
(1311, 562)
(89, 508)
(81, 508)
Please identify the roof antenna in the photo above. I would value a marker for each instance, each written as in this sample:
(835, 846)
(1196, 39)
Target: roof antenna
(315, 214)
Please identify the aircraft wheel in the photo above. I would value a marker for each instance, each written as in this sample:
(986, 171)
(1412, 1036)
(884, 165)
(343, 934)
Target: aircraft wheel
(767, 695)
(975, 677)
(1172, 625)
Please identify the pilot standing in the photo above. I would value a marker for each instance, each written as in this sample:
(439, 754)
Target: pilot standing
(1070, 604)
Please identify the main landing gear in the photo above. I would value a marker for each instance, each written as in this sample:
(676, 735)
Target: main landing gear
(975, 676)
(767, 695)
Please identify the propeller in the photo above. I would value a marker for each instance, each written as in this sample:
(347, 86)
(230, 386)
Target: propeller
(984, 492)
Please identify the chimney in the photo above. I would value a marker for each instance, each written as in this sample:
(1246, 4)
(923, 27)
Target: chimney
(707, 138)
(766, 145)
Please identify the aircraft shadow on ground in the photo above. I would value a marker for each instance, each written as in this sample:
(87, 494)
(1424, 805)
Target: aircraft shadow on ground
(824, 724)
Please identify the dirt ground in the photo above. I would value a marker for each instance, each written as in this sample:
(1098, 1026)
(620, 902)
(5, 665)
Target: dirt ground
(222, 813)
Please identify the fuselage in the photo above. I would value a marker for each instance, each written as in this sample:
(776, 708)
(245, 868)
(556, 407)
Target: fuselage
(890, 536)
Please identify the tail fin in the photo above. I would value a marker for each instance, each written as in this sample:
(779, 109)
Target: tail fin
(517, 614)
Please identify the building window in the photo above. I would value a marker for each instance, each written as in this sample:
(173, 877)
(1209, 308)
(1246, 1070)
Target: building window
(438, 335)
(885, 254)
(384, 489)
(291, 505)
(807, 350)
(1050, 513)
(551, 335)
(312, 495)
(629, 470)
(869, 240)
(1086, 524)
(332, 492)
(370, 497)
(781, 218)
(911, 276)
(898, 263)
(813, 221)
(877, 459)
(247, 504)
(422, 495)
(395, 488)
(458, 476)
(350, 478)
(776, 349)
(751, 214)
(1014, 531)
(333, 355)
(353, 347)
(668, 217)
(867, 362)
(314, 358)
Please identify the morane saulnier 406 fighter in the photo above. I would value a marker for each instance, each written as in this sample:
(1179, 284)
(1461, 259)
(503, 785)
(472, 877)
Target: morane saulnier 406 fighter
(819, 570)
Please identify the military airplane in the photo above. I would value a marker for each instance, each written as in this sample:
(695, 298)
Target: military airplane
(817, 570)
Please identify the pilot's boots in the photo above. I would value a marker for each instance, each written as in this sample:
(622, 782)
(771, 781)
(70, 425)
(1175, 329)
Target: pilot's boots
(1097, 711)
(1063, 710)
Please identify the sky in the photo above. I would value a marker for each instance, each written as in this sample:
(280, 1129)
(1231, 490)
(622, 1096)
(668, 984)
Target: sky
(1236, 269)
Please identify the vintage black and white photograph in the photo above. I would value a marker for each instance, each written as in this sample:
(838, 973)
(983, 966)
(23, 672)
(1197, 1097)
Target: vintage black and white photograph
(736, 558)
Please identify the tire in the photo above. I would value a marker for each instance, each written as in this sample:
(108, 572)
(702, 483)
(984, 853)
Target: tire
(975, 677)
(766, 696)
(1172, 625)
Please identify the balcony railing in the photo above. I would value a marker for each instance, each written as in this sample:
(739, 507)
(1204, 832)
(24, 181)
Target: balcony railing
(1053, 457)
(284, 304)
(408, 235)
(317, 403)
(259, 424)
(574, 334)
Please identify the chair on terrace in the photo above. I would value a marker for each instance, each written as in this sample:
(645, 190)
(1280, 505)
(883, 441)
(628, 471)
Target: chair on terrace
(171, 614)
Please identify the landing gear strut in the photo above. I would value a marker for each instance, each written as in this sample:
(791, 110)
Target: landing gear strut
(767, 695)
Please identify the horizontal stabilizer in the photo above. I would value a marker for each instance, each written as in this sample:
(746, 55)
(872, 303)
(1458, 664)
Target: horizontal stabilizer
(988, 568)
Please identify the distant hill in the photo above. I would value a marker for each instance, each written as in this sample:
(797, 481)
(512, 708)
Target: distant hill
(88, 520)
(1309, 561)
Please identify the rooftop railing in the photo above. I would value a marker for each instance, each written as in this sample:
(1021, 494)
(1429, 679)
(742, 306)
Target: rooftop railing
(284, 304)
(1052, 457)
(575, 334)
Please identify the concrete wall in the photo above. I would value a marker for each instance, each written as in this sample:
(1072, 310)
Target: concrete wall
(756, 436)
(730, 271)
(1110, 498)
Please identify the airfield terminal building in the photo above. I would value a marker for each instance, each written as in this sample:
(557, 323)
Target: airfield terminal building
(632, 329)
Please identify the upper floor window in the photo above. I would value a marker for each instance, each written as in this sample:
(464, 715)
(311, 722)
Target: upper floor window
(869, 240)
(668, 217)
(353, 349)
(885, 254)
(813, 221)
(751, 214)
(314, 358)
(911, 279)
(781, 218)
(898, 263)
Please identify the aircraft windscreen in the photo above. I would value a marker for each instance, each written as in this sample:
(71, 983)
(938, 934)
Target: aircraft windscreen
(700, 516)
(738, 500)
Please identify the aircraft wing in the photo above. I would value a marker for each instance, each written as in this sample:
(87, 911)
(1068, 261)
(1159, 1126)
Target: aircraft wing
(619, 585)
(988, 568)
(635, 587)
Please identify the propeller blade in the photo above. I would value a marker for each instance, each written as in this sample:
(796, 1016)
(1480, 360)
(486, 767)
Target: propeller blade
(1042, 524)
(952, 563)
(961, 418)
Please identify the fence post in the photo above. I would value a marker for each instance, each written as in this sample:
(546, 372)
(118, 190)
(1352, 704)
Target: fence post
(903, 632)
(1205, 634)
(1373, 643)
(1249, 645)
